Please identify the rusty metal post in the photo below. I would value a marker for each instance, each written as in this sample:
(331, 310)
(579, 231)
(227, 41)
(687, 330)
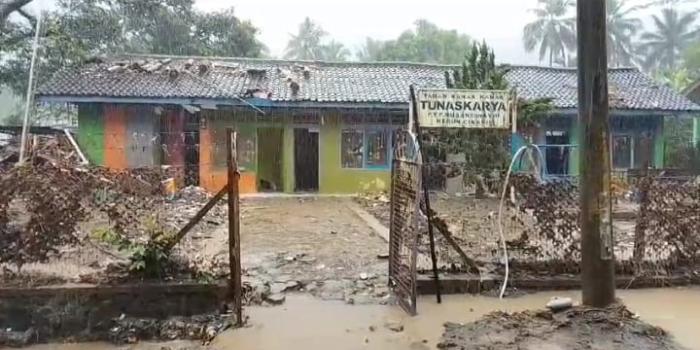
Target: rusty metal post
(234, 237)
(597, 261)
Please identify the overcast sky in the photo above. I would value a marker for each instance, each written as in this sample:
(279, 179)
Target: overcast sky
(500, 22)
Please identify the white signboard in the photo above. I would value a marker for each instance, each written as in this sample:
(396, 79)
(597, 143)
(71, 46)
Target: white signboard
(475, 109)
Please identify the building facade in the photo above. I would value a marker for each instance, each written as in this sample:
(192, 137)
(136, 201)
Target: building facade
(315, 126)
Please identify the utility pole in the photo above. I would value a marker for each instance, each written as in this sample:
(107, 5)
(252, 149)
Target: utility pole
(597, 261)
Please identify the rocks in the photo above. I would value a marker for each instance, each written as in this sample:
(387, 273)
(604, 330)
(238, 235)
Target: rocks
(275, 299)
(364, 276)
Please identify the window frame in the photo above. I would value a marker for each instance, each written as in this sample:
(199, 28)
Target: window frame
(387, 130)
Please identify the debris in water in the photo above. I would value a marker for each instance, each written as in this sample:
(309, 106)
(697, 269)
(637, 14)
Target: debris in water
(557, 304)
(394, 326)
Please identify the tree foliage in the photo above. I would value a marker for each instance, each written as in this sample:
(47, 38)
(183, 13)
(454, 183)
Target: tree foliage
(673, 33)
(426, 43)
(553, 33)
(622, 29)
(309, 44)
(79, 29)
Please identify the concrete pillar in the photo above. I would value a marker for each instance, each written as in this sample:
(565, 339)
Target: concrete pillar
(288, 159)
(574, 137)
(659, 146)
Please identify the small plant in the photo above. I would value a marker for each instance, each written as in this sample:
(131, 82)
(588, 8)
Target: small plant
(149, 258)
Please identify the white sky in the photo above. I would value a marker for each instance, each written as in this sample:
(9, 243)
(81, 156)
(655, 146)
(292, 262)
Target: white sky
(500, 22)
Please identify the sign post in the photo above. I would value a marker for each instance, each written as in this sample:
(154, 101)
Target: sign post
(452, 108)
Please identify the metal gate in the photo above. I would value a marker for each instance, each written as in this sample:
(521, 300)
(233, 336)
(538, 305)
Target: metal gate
(403, 229)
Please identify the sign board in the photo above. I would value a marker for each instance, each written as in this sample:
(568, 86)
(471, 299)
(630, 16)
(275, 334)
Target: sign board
(472, 109)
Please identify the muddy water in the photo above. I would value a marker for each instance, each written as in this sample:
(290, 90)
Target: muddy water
(308, 323)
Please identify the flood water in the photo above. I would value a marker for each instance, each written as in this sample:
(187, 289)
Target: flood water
(308, 323)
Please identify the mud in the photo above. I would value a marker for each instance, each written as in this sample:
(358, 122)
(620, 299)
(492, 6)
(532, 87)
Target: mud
(579, 328)
(314, 245)
(304, 322)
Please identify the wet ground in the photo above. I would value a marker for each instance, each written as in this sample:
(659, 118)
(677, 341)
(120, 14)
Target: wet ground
(310, 323)
(316, 244)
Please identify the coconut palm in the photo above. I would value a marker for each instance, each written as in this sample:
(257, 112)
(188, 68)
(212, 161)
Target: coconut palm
(553, 32)
(306, 44)
(672, 34)
(621, 30)
(334, 51)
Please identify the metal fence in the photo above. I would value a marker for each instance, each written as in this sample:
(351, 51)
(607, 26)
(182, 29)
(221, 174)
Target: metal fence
(403, 230)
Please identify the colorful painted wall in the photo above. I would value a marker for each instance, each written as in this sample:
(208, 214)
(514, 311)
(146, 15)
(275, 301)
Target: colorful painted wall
(266, 152)
(336, 179)
(119, 136)
(133, 136)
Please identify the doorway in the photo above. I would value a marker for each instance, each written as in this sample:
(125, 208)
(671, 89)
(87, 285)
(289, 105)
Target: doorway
(270, 159)
(306, 160)
(557, 153)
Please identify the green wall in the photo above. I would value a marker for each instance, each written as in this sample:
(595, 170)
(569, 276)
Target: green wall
(91, 132)
(335, 179)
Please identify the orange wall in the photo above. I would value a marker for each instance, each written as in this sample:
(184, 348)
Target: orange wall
(115, 137)
(213, 179)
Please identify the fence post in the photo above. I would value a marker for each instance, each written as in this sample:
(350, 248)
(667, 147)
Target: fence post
(234, 237)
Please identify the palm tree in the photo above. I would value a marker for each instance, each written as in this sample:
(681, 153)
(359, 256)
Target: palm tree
(306, 44)
(334, 51)
(673, 33)
(553, 31)
(621, 30)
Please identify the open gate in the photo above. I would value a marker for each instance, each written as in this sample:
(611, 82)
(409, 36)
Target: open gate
(403, 228)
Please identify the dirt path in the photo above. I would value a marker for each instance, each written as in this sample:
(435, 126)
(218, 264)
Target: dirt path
(319, 242)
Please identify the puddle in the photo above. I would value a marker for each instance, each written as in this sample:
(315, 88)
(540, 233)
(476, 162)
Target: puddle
(310, 323)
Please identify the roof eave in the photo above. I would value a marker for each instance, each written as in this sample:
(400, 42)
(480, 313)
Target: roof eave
(222, 102)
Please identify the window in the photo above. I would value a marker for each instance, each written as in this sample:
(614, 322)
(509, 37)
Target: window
(643, 151)
(622, 151)
(377, 149)
(365, 149)
(352, 153)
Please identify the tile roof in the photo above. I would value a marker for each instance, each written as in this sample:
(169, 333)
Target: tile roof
(339, 82)
(629, 89)
(230, 77)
